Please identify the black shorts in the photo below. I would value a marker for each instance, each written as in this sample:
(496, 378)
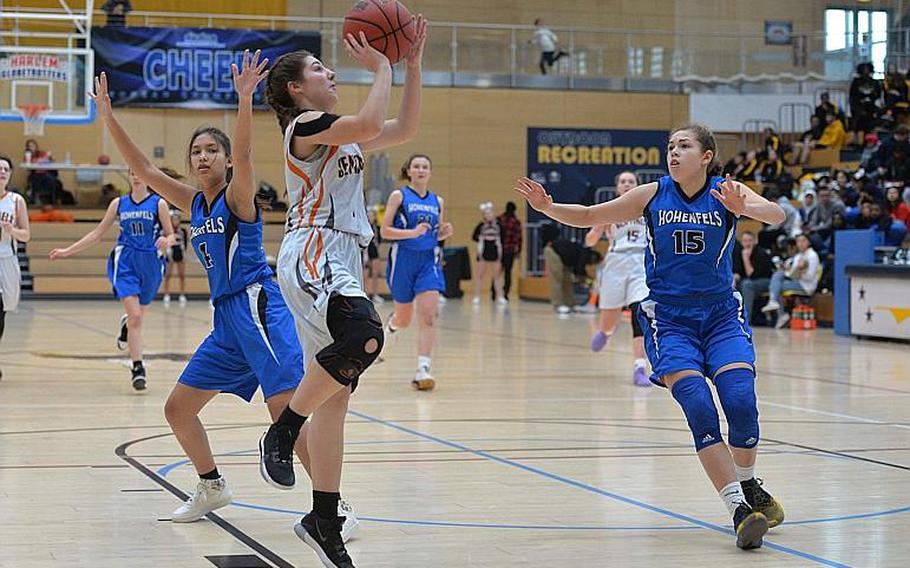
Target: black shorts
(490, 252)
(372, 251)
(176, 254)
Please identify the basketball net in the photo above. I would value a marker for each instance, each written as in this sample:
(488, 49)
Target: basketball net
(33, 117)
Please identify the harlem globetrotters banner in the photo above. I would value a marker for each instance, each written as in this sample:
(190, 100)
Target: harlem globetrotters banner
(184, 67)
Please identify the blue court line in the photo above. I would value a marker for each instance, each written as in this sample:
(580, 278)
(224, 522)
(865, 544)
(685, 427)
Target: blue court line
(592, 489)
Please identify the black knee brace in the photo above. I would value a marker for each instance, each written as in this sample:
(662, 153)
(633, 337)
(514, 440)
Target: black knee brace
(357, 333)
(636, 325)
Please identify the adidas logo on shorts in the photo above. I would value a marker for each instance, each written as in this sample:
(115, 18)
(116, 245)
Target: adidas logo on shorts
(751, 441)
(707, 438)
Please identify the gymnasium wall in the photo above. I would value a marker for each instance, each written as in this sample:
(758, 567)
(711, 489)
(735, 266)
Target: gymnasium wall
(476, 137)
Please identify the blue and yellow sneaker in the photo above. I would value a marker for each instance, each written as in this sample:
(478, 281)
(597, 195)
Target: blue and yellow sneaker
(750, 527)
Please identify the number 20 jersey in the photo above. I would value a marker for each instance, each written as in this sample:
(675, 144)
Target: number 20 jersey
(229, 249)
(689, 258)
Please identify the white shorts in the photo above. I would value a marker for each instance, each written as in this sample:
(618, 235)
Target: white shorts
(622, 280)
(314, 264)
(10, 282)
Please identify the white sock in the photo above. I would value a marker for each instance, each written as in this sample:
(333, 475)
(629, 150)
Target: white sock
(732, 496)
(640, 363)
(744, 473)
(423, 362)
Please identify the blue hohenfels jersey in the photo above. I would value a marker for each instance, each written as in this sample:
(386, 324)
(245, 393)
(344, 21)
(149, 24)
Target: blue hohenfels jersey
(690, 251)
(413, 211)
(229, 249)
(139, 223)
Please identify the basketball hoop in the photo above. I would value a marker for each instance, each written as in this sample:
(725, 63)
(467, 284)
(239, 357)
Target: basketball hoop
(33, 117)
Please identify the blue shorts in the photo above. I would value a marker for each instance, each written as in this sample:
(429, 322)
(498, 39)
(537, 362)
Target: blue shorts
(702, 337)
(135, 273)
(254, 343)
(411, 272)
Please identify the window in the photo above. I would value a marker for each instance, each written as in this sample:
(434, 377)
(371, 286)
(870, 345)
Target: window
(862, 34)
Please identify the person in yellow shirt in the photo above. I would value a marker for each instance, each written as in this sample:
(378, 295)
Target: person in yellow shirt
(834, 137)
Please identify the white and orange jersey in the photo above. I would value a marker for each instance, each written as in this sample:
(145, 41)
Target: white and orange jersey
(326, 189)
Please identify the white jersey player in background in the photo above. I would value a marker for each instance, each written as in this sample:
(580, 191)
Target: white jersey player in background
(13, 227)
(622, 279)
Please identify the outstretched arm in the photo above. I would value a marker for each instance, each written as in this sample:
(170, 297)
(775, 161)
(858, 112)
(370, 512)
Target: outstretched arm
(241, 193)
(624, 208)
(180, 194)
(92, 236)
(404, 127)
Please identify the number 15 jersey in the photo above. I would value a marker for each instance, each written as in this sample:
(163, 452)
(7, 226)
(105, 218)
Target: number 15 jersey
(229, 249)
(689, 257)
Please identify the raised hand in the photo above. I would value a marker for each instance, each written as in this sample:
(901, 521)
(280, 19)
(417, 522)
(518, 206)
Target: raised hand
(415, 55)
(536, 196)
(363, 53)
(251, 73)
(101, 97)
(732, 196)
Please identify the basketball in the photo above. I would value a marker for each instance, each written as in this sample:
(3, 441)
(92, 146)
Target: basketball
(388, 26)
(104, 159)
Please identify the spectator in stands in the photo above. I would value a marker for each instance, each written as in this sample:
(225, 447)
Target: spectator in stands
(826, 107)
(548, 44)
(893, 157)
(807, 139)
(865, 220)
(894, 87)
(747, 170)
(116, 11)
(870, 147)
(42, 185)
(800, 274)
(881, 219)
(734, 165)
(834, 136)
(845, 188)
(896, 207)
(809, 202)
(772, 167)
(772, 140)
(792, 224)
(752, 269)
(511, 245)
(865, 93)
(819, 220)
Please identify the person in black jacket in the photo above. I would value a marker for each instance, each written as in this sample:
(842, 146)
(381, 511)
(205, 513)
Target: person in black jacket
(752, 270)
(865, 92)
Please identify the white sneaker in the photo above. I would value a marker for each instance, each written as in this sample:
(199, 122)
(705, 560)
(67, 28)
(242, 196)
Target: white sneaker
(210, 494)
(502, 301)
(182, 300)
(782, 320)
(563, 310)
(476, 300)
(442, 299)
(166, 300)
(423, 380)
(771, 306)
(377, 299)
(351, 524)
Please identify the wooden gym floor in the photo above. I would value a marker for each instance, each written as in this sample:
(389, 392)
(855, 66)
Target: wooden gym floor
(532, 451)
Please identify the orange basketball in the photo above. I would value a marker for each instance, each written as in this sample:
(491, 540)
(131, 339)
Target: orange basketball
(104, 159)
(388, 26)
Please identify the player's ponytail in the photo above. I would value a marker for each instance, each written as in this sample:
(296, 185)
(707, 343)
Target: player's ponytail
(706, 140)
(285, 69)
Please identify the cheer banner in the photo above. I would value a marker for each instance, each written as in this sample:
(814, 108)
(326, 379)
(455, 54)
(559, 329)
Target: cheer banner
(580, 165)
(185, 67)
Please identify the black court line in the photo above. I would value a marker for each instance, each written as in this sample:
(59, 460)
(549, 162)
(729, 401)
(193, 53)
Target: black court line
(155, 490)
(843, 455)
(228, 527)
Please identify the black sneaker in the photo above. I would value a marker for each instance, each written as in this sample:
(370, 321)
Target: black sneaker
(276, 463)
(139, 378)
(762, 501)
(750, 527)
(324, 536)
(122, 338)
